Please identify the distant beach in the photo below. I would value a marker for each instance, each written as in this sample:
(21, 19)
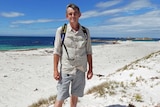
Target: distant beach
(28, 43)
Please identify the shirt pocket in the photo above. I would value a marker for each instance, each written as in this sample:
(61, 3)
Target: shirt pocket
(81, 42)
(69, 41)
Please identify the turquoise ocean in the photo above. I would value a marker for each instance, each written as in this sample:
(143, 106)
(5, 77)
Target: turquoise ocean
(27, 43)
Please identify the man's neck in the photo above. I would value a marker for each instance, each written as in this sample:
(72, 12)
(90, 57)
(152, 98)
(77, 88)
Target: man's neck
(75, 26)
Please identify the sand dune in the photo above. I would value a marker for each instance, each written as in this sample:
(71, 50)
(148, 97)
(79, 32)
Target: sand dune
(26, 76)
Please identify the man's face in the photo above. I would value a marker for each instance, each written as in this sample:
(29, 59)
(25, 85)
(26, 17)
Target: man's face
(72, 15)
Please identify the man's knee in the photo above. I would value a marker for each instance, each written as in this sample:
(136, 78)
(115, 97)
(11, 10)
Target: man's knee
(74, 100)
(58, 103)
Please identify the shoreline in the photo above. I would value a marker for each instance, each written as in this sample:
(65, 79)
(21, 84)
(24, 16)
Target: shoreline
(94, 43)
(28, 74)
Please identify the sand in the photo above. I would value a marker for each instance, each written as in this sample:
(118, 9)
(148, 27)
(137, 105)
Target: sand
(27, 75)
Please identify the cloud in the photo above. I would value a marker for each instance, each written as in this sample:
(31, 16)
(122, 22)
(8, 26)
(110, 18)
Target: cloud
(11, 14)
(138, 4)
(148, 18)
(97, 13)
(145, 24)
(32, 21)
(13, 26)
(108, 3)
(94, 13)
(144, 19)
(36, 21)
(132, 6)
(89, 14)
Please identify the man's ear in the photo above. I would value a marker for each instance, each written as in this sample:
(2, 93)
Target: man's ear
(80, 14)
(66, 16)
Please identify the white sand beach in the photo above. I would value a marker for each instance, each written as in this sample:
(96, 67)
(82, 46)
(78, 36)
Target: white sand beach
(27, 76)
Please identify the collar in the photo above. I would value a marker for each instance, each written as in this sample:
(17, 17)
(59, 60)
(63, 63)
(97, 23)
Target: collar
(70, 28)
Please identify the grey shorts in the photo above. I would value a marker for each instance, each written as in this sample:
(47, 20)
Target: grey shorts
(70, 83)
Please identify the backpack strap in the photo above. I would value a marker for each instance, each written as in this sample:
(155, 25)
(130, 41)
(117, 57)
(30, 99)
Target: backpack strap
(63, 33)
(85, 32)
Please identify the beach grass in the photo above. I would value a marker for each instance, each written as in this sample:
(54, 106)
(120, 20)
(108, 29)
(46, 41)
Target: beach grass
(129, 66)
(44, 102)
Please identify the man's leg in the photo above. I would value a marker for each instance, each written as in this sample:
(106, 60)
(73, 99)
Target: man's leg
(73, 101)
(58, 103)
(77, 87)
(63, 89)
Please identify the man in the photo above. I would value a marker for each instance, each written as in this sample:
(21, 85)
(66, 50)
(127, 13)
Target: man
(73, 58)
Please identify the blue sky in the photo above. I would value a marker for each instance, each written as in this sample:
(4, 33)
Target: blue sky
(104, 18)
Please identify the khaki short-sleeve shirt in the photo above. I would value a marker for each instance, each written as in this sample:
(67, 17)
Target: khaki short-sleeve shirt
(78, 46)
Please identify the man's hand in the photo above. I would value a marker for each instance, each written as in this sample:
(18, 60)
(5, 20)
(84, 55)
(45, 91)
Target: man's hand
(89, 74)
(56, 75)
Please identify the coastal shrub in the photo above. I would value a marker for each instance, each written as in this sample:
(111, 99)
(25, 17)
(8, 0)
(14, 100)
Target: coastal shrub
(130, 66)
(123, 91)
(138, 97)
(52, 99)
(105, 88)
(131, 74)
(122, 84)
(44, 102)
(133, 84)
(39, 103)
(98, 90)
(138, 79)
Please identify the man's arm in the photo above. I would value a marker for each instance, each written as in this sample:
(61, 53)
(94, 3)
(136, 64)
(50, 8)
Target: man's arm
(57, 53)
(56, 72)
(90, 72)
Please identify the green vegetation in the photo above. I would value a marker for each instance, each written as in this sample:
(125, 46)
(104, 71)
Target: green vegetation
(107, 88)
(44, 102)
(138, 97)
(130, 66)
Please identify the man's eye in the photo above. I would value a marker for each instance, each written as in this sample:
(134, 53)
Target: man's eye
(73, 13)
(70, 13)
